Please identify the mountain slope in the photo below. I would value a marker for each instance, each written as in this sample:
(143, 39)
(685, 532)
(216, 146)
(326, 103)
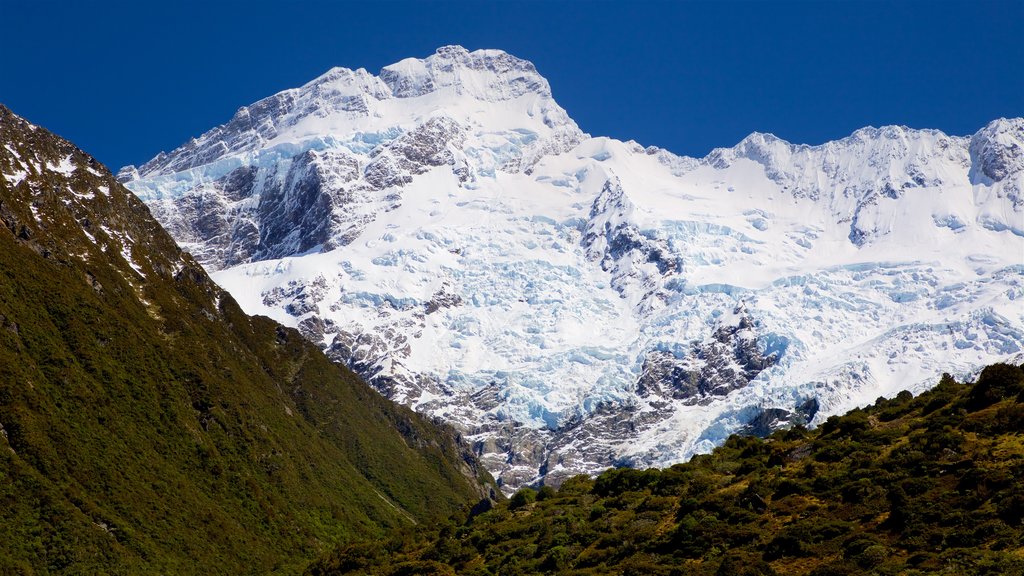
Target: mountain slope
(446, 230)
(148, 425)
(907, 486)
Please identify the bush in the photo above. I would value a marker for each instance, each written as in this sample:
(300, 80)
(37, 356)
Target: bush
(577, 485)
(545, 492)
(784, 545)
(1011, 507)
(557, 559)
(995, 383)
(872, 556)
(523, 497)
(622, 480)
(1006, 420)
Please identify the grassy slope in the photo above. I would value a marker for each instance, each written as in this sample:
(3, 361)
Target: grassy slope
(908, 486)
(148, 425)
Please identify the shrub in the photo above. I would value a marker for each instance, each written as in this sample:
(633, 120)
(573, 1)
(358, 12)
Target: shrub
(545, 492)
(523, 497)
(784, 545)
(995, 383)
(579, 484)
(872, 556)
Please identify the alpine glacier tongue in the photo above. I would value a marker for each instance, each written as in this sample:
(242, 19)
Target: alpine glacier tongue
(574, 303)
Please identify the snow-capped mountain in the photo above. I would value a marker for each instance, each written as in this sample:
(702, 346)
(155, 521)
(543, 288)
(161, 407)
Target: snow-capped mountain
(573, 303)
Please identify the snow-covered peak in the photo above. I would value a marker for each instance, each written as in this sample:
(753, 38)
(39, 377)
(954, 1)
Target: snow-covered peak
(347, 81)
(855, 170)
(881, 148)
(487, 89)
(487, 75)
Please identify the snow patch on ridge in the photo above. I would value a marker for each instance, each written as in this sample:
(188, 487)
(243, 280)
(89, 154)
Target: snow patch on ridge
(65, 167)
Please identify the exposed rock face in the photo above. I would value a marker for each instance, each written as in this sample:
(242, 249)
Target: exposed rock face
(572, 303)
(997, 155)
(998, 149)
(772, 419)
(727, 361)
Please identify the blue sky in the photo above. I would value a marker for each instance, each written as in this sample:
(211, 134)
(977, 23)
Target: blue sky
(125, 80)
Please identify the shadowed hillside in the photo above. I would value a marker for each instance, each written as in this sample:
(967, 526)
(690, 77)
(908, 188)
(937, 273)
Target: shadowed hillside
(148, 425)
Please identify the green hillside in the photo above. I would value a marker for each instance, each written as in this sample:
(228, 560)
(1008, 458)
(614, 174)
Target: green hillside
(922, 485)
(147, 425)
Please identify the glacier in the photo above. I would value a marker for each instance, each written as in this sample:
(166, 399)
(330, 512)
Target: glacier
(572, 302)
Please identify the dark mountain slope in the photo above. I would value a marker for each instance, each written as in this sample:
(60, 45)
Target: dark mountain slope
(908, 486)
(148, 425)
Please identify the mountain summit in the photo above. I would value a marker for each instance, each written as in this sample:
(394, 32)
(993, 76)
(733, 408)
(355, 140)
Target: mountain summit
(347, 129)
(572, 303)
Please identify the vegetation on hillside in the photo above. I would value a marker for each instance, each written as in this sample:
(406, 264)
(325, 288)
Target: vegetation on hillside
(921, 485)
(147, 425)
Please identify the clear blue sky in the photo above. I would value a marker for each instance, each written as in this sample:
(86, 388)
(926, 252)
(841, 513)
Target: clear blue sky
(125, 80)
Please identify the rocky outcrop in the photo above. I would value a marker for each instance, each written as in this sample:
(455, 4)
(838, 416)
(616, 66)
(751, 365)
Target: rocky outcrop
(726, 361)
(997, 155)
